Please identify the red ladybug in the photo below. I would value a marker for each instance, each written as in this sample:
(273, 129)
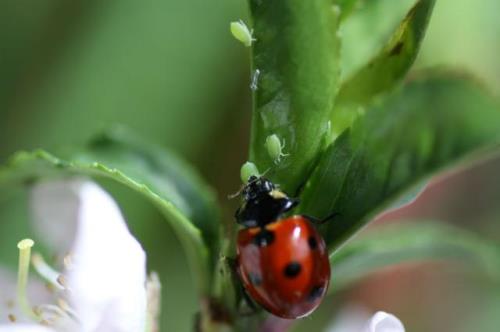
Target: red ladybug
(283, 263)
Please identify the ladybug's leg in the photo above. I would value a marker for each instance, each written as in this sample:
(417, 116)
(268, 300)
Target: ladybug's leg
(249, 302)
(318, 221)
(232, 262)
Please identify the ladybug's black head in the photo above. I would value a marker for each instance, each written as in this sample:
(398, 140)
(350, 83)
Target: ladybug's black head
(263, 203)
(257, 187)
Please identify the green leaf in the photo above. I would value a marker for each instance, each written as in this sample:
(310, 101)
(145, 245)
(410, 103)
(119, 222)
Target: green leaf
(346, 7)
(390, 65)
(170, 184)
(367, 29)
(386, 69)
(417, 241)
(428, 125)
(162, 171)
(296, 53)
(409, 196)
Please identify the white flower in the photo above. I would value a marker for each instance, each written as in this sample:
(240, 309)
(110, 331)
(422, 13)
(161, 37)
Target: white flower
(103, 285)
(384, 322)
(24, 328)
(357, 320)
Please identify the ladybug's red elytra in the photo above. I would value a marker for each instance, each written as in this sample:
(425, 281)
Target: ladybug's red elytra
(283, 263)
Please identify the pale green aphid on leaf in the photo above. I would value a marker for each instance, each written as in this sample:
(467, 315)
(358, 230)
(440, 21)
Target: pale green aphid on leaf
(247, 170)
(241, 32)
(275, 148)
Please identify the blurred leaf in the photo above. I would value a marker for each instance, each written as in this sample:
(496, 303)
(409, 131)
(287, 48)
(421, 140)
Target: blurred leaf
(412, 242)
(409, 196)
(347, 7)
(162, 171)
(74, 68)
(161, 177)
(367, 29)
(464, 34)
(296, 53)
(428, 125)
(390, 65)
(385, 70)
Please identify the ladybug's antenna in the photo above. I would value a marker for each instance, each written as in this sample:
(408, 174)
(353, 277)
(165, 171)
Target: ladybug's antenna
(265, 172)
(236, 194)
(257, 178)
(243, 186)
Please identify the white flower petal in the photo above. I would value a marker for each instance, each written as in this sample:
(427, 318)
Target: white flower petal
(24, 328)
(384, 322)
(107, 280)
(54, 209)
(357, 319)
(107, 277)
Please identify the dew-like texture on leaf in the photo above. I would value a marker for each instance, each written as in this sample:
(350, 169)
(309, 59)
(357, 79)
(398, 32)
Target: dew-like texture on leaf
(296, 53)
(426, 126)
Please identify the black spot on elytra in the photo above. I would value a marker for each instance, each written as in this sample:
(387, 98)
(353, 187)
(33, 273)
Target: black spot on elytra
(313, 244)
(316, 292)
(255, 279)
(292, 269)
(396, 50)
(264, 238)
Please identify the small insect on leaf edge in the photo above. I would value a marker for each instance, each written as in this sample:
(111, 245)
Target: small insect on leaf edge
(241, 32)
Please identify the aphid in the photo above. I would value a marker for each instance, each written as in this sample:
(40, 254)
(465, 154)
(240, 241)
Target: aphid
(283, 263)
(248, 170)
(275, 148)
(241, 32)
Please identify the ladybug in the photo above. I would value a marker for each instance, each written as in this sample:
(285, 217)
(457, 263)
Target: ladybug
(283, 263)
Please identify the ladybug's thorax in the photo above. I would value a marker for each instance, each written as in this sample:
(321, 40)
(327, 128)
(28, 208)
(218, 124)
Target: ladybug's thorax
(277, 194)
(263, 203)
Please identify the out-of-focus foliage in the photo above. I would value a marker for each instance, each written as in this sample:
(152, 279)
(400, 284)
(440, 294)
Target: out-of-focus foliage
(418, 241)
(465, 34)
(366, 29)
(385, 70)
(388, 67)
(68, 70)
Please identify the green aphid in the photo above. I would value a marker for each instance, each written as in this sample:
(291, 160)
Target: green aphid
(275, 148)
(241, 32)
(247, 170)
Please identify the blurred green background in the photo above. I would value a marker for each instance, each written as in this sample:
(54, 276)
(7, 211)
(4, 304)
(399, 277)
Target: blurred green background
(171, 71)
